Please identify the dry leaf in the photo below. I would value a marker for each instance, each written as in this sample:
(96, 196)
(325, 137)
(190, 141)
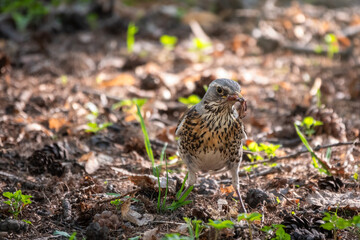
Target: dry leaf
(227, 190)
(122, 79)
(151, 234)
(36, 127)
(203, 18)
(344, 41)
(91, 163)
(327, 199)
(57, 123)
(133, 216)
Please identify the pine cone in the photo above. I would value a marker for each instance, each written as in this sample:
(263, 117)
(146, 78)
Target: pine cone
(108, 219)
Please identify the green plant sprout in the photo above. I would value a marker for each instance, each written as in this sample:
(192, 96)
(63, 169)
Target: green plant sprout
(250, 218)
(65, 234)
(269, 149)
(309, 124)
(168, 42)
(64, 79)
(24, 12)
(129, 103)
(356, 222)
(135, 238)
(219, 225)
(200, 44)
(191, 100)
(130, 37)
(356, 176)
(334, 223)
(117, 203)
(195, 227)
(318, 98)
(161, 207)
(255, 148)
(175, 236)
(323, 168)
(332, 45)
(17, 202)
(280, 233)
(180, 196)
(147, 141)
(92, 20)
(92, 125)
(199, 48)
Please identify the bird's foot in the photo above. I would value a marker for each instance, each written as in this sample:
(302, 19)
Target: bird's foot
(241, 201)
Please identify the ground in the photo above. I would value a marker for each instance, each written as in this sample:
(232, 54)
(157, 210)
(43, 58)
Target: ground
(60, 77)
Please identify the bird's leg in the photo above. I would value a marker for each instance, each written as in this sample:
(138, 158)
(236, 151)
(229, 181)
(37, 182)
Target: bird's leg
(234, 171)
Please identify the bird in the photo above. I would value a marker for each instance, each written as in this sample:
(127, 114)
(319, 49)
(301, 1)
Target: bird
(210, 134)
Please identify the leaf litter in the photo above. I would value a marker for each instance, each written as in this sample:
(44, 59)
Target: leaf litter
(292, 61)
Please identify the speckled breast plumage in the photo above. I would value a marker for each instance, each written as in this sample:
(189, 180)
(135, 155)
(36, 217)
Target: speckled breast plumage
(211, 141)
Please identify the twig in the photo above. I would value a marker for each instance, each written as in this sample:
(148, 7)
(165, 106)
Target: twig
(121, 196)
(296, 154)
(167, 222)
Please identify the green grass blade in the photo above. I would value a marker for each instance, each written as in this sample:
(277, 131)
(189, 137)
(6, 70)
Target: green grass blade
(158, 180)
(163, 156)
(178, 194)
(146, 140)
(315, 159)
(184, 196)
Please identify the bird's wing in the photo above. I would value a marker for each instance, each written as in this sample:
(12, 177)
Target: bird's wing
(179, 127)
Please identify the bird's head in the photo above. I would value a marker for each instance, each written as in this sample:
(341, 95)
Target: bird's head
(223, 91)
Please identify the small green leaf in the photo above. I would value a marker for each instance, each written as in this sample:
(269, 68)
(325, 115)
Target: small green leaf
(200, 44)
(134, 238)
(191, 100)
(330, 38)
(342, 223)
(318, 49)
(308, 121)
(61, 233)
(73, 236)
(218, 224)
(356, 176)
(130, 40)
(8, 195)
(168, 41)
(327, 226)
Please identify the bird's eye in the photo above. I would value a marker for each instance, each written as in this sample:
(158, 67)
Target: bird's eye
(219, 90)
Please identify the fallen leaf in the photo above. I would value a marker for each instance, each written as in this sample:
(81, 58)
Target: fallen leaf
(57, 123)
(36, 127)
(91, 162)
(123, 79)
(344, 41)
(327, 199)
(203, 18)
(151, 234)
(227, 190)
(133, 216)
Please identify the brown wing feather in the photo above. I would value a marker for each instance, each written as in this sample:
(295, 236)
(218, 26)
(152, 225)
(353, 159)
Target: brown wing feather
(179, 127)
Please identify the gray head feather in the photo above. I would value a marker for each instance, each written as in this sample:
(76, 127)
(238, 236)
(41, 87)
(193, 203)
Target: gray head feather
(227, 86)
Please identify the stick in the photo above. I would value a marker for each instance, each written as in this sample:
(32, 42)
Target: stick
(123, 195)
(296, 154)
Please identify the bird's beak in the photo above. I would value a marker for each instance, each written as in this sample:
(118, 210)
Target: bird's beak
(236, 98)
